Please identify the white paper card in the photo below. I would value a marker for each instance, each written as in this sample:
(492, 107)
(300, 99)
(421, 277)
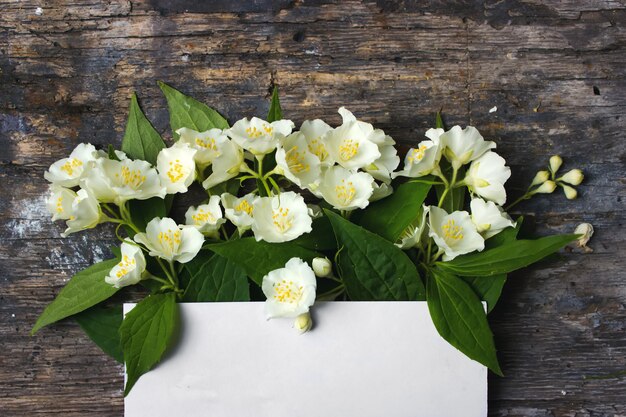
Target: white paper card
(361, 359)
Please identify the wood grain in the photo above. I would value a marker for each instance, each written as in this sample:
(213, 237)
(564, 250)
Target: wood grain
(554, 69)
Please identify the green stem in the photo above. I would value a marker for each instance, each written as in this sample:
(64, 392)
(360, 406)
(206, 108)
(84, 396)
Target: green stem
(526, 196)
(449, 186)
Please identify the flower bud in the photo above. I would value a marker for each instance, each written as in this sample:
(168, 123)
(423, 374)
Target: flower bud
(555, 163)
(540, 178)
(322, 267)
(574, 177)
(586, 231)
(545, 188)
(570, 192)
(303, 323)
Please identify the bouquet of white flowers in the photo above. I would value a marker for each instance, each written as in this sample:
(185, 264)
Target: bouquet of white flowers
(275, 206)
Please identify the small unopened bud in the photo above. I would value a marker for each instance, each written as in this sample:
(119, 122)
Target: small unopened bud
(322, 267)
(545, 188)
(586, 231)
(574, 177)
(540, 178)
(570, 192)
(303, 323)
(555, 163)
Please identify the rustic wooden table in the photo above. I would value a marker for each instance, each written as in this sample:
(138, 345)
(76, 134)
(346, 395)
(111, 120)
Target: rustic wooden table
(555, 72)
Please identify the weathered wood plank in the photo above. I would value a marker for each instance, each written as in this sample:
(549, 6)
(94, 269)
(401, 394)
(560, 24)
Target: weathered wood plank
(554, 69)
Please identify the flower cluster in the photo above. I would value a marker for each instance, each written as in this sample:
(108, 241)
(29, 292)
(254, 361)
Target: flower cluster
(274, 205)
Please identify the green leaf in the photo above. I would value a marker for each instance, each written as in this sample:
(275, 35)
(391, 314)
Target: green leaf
(459, 317)
(390, 216)
(275, 113)
(111, 153)
(102, 325)
(190, 113)
(218, 279)
(439, 121)
(259, 258)
(142, 211)
(141, 140)
(372, 268)
(507, 235)
(321, 237)
(507, 257)
(86, 289)
(146, 333)
(487, 289)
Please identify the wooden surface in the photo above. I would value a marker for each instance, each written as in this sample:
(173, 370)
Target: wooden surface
(554, 69)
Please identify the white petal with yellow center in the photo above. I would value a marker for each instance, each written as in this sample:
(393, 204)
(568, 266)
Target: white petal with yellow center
(207, 218)
(314, 132)
(167, 240)
(85, 213)
(486, 177)
(345, 189)
(454, 233)
(67, 172)
(259, 136)
(464, 145)
(208, 144)
(240, 211)
(176, 167)
(295, 161)
(489, 218)
(225, 166)
(130, 270)
(281, 218)
(290, 291)
(59, 202)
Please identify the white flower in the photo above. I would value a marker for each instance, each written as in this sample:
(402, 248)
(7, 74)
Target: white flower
(389, 160)
(464, 145)
(322, 267)
(489, 218)
(67, 172)
(239, 211)
(345, 189)
(207, 144)
(130, 270)
(120, 181)
(585, 230)
(454, 233)
(86, 213)
(59, 202)
(226, 166)
(352, 145)
(486, 177)
(258, 136)
(176, 167)
(303, 323)
(412, 236)
(295, 161)
(207, 218)
(574, 177)
(380, 191)
(314, 132)
(165, 239)
(290, 291)
(281, 218)
(421, 161)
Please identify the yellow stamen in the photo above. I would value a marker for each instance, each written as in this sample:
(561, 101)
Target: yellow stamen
(416, 155)
(71, 165)
(126, 265)
(244, 206)
(208, 143)
(345, 192)
(281, 219)
(287, 292)
(295, 161)
(318, 148)
(452, 231)
(348, 149)
(133, 179)
(175, 172)
(170, 240)
(202, 216)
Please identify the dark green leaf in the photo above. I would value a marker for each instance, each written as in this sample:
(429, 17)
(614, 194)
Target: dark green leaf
(507, 235)
(507, 257)
(111, 153)
(259, 258)
(218, 279)
(141, 141)
(460, 318)
(146, 333)
(487, 289)
(390, 216)
(275, 113)
(142, 211)
(86, 289)
(102, 325)
(190, 113)
(372, 268)
(321, 237)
